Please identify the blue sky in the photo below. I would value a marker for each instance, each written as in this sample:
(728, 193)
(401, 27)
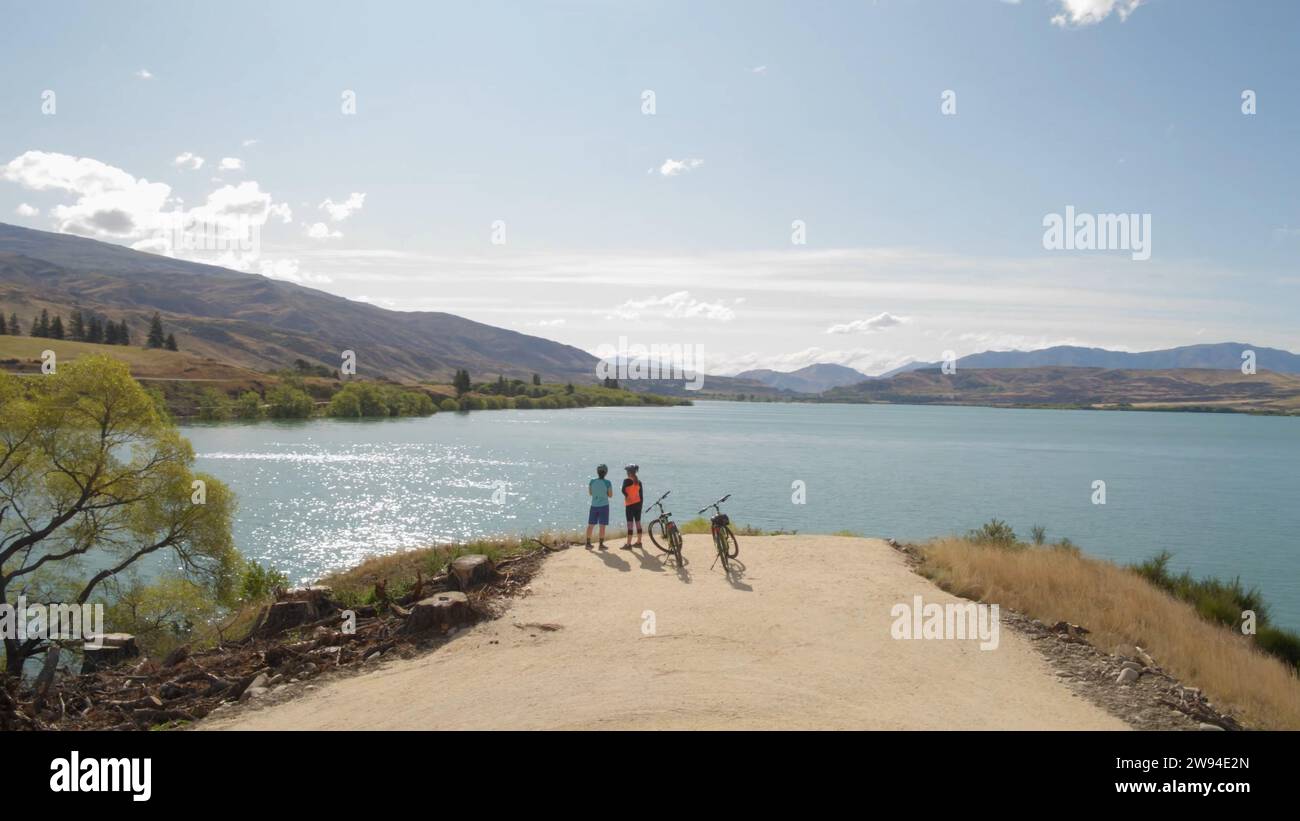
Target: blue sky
(924, 231)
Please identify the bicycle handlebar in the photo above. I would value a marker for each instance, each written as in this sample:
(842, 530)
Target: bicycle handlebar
(715, 504)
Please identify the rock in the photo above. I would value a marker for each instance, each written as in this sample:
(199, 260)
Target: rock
(466, 572)
(114, 648)
(252, 693)
(1144, 657)
(1132, 665)
(1127, 676)
(439, 611)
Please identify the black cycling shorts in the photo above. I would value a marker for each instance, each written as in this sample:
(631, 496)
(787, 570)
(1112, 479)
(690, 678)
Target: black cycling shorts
(633, 512)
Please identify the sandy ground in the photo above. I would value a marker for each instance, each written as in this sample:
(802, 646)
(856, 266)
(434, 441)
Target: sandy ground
(799, 639)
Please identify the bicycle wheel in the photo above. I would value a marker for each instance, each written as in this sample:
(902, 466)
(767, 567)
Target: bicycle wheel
(675, 542)
(729, 539)
(721, 547)
(656, 531)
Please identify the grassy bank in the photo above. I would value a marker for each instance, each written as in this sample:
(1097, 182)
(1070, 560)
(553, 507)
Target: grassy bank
(1123, 607)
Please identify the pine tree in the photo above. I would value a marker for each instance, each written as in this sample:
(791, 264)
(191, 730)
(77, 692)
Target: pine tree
(13, 325)
(36, 326)
(461, 383)
(110, 332)
(123, 333)
(77, 325)
(4, 329)
(95, 330)
(45, 323)
(156, 338)
(56, 327)
(171, 342)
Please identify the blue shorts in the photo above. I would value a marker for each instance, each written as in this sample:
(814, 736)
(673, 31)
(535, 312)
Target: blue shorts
(599, 515)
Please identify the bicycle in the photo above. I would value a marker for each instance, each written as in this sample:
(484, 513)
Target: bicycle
(669, 539)
(724, 540)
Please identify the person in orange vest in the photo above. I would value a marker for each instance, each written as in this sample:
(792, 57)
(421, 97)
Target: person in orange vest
(632, 496)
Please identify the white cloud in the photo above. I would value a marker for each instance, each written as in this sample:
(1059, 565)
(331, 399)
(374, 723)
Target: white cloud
(193, 162)
(282, 211)
(144, 74)
(677, 305)
(110, 202)
(672, 168)
(25, 210)
(759, 69)
(289, 270)
(339, 211)
(248, 143)
(232, 164)
(879, 322)
(1092, 12)
(319, 230)
(549, 323)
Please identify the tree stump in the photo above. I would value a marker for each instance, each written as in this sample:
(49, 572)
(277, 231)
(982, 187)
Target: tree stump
(114, 648)
(467, 572)
(285, 615)
(439, 611)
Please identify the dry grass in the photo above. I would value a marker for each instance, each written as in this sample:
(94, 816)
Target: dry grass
(356, 585)
(1122, 610)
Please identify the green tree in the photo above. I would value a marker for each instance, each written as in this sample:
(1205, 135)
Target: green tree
(14, 329)
(77, 325)
(56, 327)
(288, 403)
(4, 330)
(461, 382)
(248, 406)
(448, 405)
(110, 333)
(123, 333)
(537, 380)
(92, 480)
(156, 337)
(214, 405)
(95, 330)
(171, 342)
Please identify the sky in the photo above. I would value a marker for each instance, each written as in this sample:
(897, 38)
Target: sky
(773, 184)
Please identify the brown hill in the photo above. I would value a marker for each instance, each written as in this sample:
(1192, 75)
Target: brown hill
(1084, 387)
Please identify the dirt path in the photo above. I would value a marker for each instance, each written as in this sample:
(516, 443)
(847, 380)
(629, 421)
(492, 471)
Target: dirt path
(800, 640)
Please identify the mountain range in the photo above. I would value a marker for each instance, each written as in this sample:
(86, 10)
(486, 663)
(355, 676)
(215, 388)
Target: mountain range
(256, 322)
(810, 379)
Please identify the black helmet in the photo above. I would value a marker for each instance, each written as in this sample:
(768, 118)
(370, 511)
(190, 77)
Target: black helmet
(633, 468)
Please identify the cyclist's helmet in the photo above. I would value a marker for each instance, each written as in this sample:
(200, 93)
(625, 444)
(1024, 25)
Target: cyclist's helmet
(633, 468)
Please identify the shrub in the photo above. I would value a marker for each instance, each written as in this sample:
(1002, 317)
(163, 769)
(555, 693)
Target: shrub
(996, 532)
(448, 405)
(248, 406)
(214, 406)
(288, 403)
(1039, 534)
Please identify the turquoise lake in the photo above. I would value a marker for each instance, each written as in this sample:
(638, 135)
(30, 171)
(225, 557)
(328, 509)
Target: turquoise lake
(1220, 491)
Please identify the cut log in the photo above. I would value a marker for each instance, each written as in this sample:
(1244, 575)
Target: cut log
(285, 615)
(438, 612)
(104, 651)
(470, 571)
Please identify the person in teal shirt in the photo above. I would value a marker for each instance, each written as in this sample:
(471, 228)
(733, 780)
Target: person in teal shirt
(600, 490)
